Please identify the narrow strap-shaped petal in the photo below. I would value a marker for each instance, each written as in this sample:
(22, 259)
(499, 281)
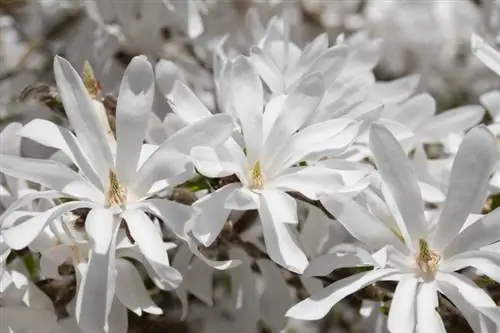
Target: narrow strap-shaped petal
(486, 262)
(281, 240)
(133, 108)
(320, 303)
(50, 135)
(22, 234)
(247, 102)
(325, 264)
(97, 287)
(82, 116)
(355, 218)
(268, 70)
(473, 164)
(403, 314)
(428, 319)
(399, 175)
(186, 104)
(487, 54)
(130, 289)
(150, 242)
(10, 140)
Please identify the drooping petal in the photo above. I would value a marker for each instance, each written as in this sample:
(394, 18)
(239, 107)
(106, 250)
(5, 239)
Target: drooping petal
(320, 303)
(400, 177)
(473, 164)
(355, 218)
(130, 289)
(325, 264)
(82, 116)
(242, 199)
(281, 240)
(402, 315)
(97, 287)
(133, 108)
(175, 215)
(150, 242)
(199, 281)
(207, 225)
(428, 319)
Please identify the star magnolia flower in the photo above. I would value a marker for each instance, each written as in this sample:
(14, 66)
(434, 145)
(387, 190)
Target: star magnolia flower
(266, 164)
(423, 256)
(116, 179)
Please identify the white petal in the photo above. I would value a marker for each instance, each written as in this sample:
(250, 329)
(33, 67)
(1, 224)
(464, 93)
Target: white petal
(186, 104)
(487, 263)
(24, 233)
(483, 232)
(325, 264)
(242, 199)
(355, 218)
(149, 240)
(247, 99)
(130, 289)
(488, 55)
(395, 91)
(320, 303)
(214, 163)
(211, 131)
(175, 215)
(268, 70)
(473, 164)
(97, 287)
(402, 315)
(431, 193)
(133, 108)
(208, 224)
(491, 101)
(428, 319)
(51, 135)
(416, 111)
(299, 107)
(50, 174)
(11, 142)
(400, 177)
(199, 281)
(82, 116)
(457, 120)
(166, 74)
(281, 240)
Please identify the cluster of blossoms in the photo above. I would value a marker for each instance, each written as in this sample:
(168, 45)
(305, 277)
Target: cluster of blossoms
(399, 200)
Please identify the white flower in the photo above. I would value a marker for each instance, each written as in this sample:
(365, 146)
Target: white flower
(266, 164)
(116, 179)
(421, 255)
(487, 54)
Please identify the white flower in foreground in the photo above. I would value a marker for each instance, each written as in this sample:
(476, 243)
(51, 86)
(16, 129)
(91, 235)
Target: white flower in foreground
(266, 165)
(422, 256)
(116, 179)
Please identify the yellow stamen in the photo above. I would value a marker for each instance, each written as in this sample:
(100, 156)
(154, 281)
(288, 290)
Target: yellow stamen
(257, 176)
(427, 259)
(116, 194)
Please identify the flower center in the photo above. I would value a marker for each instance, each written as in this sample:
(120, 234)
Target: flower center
(116, 194)
(257, 177)
(427, 259)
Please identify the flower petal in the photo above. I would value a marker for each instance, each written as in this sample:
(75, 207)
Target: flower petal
(473, 164)
(320, 303)
(133, 109)
(487, 54)
(242, 199)
(186, 104)
(130, 289)
(150, 242)
(402, 315)
(400, 177)
(281, 241)
(428, 319)
(209, 223)
(487, 263)
(355, 218)
(82, 116)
